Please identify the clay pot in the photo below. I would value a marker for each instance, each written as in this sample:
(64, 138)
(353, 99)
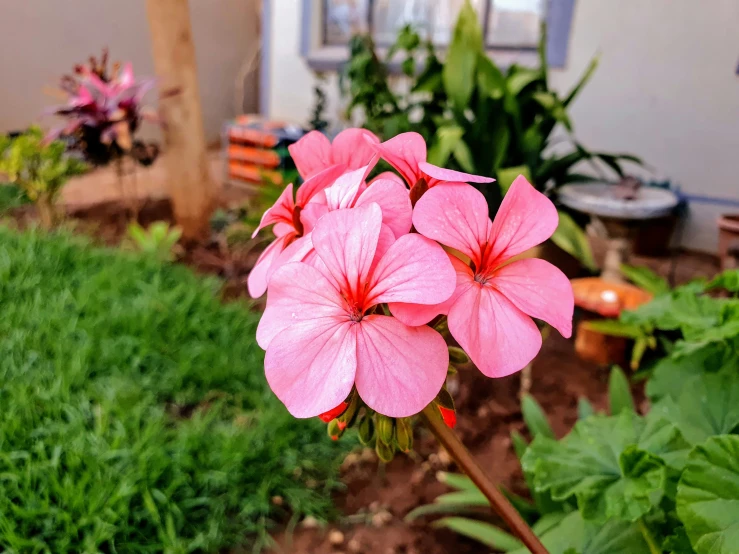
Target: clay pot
(728, 241)
(595, 347)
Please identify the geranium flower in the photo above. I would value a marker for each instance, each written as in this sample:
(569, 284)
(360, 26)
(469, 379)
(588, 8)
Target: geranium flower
(352, 148)
(289, 224)
(324, 334)
(407, 154)
(490, 312)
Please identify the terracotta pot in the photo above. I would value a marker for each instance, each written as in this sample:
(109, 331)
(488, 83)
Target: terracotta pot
(728, 241)
(598, 348)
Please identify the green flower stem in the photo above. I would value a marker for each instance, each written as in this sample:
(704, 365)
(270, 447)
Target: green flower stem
(653, 548)
(464, 460)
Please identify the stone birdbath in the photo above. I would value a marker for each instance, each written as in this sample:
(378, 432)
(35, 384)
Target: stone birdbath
(619, 207)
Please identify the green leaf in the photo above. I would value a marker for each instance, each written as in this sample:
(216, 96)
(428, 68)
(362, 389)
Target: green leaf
(611, 465)
(707, 406)
(486, 533)
(708, 496)
(490, 80)
(458, 74)
(573, 534)
(728, 280)
(445, 142)
(519, 444)
(535, 418)
(619, 392)
(615, 328)
(582, 82)
(571, 238)
(507, 175)
(457, 481)
(463, 156)
(584, 408)
(645, 278)
(521, 77)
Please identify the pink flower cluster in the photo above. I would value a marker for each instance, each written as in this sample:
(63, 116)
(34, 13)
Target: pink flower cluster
(357, 272)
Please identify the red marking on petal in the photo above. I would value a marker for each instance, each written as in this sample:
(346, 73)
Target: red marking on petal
(334, 413)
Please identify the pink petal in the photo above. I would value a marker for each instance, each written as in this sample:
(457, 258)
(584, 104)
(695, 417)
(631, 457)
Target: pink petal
(355, 148)
(318, 182)
(345, 190)
(297, 292)
(499, 338)
(280, 212)
(440, 174)
(394, 201)
(346, 241)
(298, 251)
(540, 290)
(400, 369)
(387, 175)
(525, 218)
(258, 277)
(281, 228)
(454, 215)
(311, 365)
(384, 242)
(413, 270)
(404, 152)
(420, 314)
(310, 215)
(311, 154)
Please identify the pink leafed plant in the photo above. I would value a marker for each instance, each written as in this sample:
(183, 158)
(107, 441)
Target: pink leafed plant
(372, 285)
(104, 109)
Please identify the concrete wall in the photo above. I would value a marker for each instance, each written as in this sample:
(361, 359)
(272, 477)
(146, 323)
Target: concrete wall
(42, 39)
(666, 90)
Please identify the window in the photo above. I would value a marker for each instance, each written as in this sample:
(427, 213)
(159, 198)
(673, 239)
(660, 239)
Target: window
(507, 24)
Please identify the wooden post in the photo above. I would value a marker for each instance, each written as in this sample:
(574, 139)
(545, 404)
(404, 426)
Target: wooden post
(191, 189)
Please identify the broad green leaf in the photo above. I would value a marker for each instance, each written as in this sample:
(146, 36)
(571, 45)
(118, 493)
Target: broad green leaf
(463, 156)
(521, 77)
(584, 408)
(619, 392)
(728, 280)
(645, 278)
(611, 465)
(571, 238)
(507, 175)
(708, 406)
(535, 418)
(486, 533)
(680, 309)
(489, 78)
(445, 142)
(708, 496)
(458, 74)
(572, 534)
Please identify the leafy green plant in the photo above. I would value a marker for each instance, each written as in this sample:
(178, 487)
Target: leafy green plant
(667, 481)
(479, 118)
(39, 168)
(158, 240)
(135, 415)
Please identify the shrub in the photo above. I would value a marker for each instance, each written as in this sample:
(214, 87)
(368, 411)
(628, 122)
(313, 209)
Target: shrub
(135, 414)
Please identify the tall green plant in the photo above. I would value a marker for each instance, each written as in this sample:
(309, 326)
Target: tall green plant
(39, 168)
(478, 117)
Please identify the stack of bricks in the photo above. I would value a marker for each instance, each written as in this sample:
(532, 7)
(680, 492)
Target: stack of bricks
(256, 150)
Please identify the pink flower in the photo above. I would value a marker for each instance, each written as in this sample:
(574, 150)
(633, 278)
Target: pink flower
(407, 154)
(352, 148)
(324, 335)
(490, 312)
(289, 224)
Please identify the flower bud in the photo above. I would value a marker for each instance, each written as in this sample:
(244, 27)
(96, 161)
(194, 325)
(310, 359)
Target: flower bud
(458, 356)
(385, 429)
(366, 429)
(404, 434)
(347, 418)
(333, 430)
(333, 413)
(385, 452)
(449, 416)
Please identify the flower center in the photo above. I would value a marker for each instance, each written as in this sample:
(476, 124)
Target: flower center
(482, 278)
(355, 312)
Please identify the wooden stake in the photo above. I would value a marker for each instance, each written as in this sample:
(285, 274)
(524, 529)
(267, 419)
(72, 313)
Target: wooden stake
(191, 189)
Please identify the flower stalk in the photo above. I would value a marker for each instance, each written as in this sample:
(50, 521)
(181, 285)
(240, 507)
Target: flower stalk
(464, 460)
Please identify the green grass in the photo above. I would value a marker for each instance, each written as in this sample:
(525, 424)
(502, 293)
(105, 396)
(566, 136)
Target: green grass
(134, 413)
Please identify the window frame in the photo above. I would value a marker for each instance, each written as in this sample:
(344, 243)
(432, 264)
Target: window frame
(325, 58)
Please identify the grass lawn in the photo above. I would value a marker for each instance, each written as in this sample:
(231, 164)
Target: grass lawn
(134, 413)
